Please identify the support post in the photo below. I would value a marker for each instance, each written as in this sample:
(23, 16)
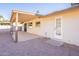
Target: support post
(16, 29)
(11, 29)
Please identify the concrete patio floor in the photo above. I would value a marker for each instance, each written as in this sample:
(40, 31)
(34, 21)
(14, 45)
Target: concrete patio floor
(23, 36)
(34, 47)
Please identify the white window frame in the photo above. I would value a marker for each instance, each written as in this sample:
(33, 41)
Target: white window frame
(60, 26)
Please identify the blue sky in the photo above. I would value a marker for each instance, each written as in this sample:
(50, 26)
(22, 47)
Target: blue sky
(44, 8)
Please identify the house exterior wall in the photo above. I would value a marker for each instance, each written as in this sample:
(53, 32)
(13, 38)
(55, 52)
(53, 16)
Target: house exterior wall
(45, 29)
(70, 26)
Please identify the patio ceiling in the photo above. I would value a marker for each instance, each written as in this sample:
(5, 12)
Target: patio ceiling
(22, 16)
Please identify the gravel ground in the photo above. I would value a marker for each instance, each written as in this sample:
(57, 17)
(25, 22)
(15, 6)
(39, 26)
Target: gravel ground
(35, 47)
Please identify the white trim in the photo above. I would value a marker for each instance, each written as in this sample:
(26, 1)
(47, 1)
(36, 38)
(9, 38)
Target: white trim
(60, 36)
(16, 21)
(23, 12)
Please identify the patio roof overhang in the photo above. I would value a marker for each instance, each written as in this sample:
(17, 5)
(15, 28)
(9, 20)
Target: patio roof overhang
(22, 16)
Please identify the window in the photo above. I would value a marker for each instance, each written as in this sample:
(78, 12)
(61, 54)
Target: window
(58, 26)
(30, 25)
(37, 24)
(58, 22)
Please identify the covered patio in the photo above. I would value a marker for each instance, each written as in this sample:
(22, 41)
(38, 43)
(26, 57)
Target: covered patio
(24, 36)
(19, 25)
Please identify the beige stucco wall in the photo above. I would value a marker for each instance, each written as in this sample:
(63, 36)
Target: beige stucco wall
(70, 26)
(46, 27)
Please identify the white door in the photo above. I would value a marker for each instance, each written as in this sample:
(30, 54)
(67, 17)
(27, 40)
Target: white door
(58, 28)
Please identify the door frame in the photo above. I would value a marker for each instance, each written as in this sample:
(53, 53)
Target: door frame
(58, 28)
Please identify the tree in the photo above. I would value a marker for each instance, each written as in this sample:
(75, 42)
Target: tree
(1, 18)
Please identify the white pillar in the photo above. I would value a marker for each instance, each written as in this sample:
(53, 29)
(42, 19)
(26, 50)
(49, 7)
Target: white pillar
(11, 29)
(16, 21)
(16, 29)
